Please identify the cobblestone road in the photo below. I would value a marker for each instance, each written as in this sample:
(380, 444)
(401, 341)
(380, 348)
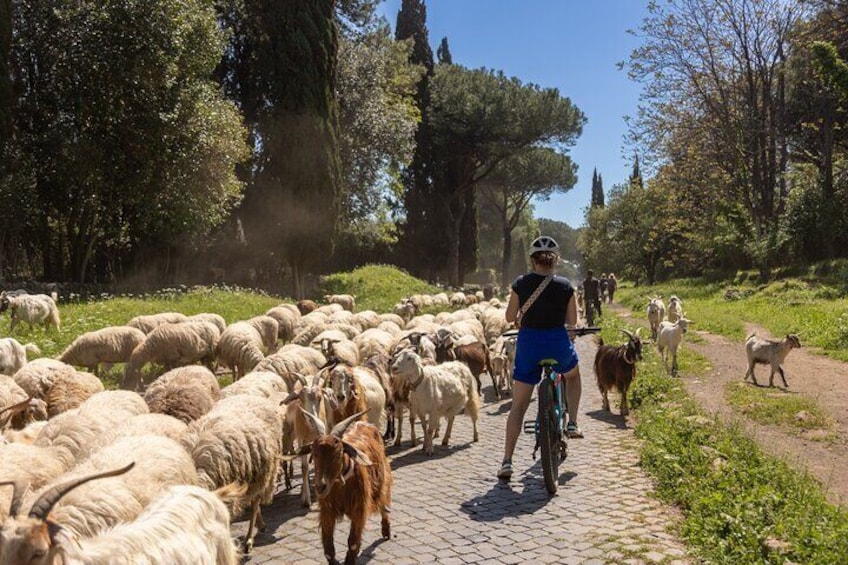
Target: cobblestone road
(450, 508)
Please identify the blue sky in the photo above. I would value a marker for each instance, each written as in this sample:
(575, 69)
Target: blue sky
(572, 45)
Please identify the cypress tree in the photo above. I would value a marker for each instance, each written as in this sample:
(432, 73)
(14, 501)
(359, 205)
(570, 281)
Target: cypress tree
(636, 175)
(443, 53)
(597, 190)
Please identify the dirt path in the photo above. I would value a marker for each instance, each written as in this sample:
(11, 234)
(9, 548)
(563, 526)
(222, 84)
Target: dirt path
(819, 378)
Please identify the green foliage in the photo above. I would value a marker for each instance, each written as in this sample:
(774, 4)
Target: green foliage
(375, 287)
(733, 497)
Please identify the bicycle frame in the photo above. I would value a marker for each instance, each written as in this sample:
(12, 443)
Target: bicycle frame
(560, 407)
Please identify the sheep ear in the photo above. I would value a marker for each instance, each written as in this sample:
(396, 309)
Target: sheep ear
(356, 455)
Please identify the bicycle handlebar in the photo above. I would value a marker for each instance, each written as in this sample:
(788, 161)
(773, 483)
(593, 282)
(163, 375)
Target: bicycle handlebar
(580, 331)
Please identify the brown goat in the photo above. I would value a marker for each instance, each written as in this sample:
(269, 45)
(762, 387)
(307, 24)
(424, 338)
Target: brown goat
(306, 306)
(476, 356)
(352, 478)
(615, 366)
(304, 398)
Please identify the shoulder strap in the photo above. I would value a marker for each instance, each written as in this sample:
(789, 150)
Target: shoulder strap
(532, 299)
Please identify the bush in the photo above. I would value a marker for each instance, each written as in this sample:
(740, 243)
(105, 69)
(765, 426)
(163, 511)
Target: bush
(376, 287)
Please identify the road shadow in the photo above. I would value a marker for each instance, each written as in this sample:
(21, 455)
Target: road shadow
(502, 408)
(416, 454)
(504, 499)
(612, 418)
(368, 554)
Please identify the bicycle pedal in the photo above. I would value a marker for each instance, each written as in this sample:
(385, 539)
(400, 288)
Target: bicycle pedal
(530, 427)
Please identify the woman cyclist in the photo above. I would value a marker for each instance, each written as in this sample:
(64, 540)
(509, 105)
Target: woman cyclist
(542, 335)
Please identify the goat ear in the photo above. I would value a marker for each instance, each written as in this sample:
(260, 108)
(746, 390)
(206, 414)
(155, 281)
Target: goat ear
(59, 535)
(356, 455)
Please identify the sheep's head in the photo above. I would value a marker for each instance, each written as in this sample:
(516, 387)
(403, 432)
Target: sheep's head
(328, 453)
(34, 539)
(633, 347)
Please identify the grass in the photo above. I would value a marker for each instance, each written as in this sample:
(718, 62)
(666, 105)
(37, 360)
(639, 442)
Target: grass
(739, 505)
(775, 408)
(817, 311)
(376, 287)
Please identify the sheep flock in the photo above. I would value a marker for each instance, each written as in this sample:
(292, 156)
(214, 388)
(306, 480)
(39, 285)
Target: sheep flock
(155, 471)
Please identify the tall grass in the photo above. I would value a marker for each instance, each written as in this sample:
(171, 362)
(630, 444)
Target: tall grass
(739, 505)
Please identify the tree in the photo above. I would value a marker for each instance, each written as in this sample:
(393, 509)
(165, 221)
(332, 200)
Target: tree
(479, 119)
(444, 53)
(6, 96)
(724, 61)
(597, 190)
(124, 140)
(536, 173)
(635, 174)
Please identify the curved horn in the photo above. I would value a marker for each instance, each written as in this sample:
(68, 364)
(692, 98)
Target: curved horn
(302, 379)
(340, 428)
(45, 503)
(315, 422)
(639, 330)
(20, 488)
(627, 333)
(13, 409)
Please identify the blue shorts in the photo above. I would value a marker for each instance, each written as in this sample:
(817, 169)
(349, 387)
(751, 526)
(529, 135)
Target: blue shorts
(535, 345)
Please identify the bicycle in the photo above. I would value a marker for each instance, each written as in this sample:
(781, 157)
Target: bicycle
(549, 425)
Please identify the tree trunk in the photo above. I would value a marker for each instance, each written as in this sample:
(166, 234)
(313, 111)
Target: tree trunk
(506, 257)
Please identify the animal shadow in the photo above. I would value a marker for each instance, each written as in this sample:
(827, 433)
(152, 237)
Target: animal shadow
(612, 418)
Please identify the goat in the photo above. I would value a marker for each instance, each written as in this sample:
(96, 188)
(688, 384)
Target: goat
(32, 309)
(615, 366)
(356, 389)
(668, 340)
(656, 313)
(476, 356)
(304, 398)
(352, 478)
(769, 352)
(675, 309)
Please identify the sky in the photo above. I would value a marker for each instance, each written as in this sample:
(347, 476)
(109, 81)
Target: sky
(572, 45)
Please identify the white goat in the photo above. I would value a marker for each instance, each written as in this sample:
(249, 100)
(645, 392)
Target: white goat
(769, 352)
(656, 313)
(675, 309)
(32, 309)
(668, 340)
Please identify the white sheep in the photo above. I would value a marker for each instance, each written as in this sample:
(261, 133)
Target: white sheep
(346, 301)
(770, 352)
(287, 319)
(173, 345)
(32, 309)
(458, 299)
(59, 385)
(374, 341)
(244, 344)
(184, 525)
(150, 322)
(187, 393)
(668, 340)
(366, 320)
(393, 318)
(441, 391)
(13, 355)
(329, 309)
(216, 319)
(108, 345)
(152, 424)
(239, 441)
(266, 384)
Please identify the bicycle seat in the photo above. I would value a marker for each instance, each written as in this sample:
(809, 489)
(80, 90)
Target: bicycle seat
(548, 363)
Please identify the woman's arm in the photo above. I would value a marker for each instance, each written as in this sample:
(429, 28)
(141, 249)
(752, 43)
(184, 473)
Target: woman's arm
(512, 307)
(571, 312)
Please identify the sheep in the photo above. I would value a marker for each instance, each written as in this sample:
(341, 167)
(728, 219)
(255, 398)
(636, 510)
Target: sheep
(242, 345)
(149, 323)
(108, 345)
(393, 318)
(59, 385)
(502, 360)
(152, 424)
(15, 404)
(356, 389)
(258, 383)
(28, 464)
(173, 345)
(346, 301)
(32, 309)
(287, 364)
(656, 313)
(306, 306)
(675, 309)
(329, 309)
(239, 441)
(286, 321)
(373, 342)
(494, 323)
(184, 524)
(187, 393)
(769, 352)
(309, 398)
(405, 310)
(336, 350)
(668, 340)
(366, 320)
(390, 328)
(309, 332)
(437, 392)
(615, 366)
(215, 319)
(28, 434)
(353, 478)
(458, 300)
(343, 317)
(92, 509)
(13, 355)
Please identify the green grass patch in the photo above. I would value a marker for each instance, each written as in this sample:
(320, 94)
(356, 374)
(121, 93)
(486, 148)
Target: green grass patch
(817, 311)
(376, 287)
(739, 505)
(774, 407)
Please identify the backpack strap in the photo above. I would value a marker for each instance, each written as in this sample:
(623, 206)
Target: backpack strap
(539, 289)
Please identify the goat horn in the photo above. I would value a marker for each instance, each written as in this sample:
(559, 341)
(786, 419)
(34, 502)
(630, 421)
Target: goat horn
(316, 423)
(639, 330)
(20, 488)
(45, 503)
(13, 409)
(627, 333)
(340, 428)
(301, 378)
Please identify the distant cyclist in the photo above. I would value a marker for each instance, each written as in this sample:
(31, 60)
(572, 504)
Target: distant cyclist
(542, 335)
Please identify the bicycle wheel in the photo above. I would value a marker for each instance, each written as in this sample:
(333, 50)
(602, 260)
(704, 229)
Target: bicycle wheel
(548, 440)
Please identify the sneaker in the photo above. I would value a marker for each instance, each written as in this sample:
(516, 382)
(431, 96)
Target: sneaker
(573, 431)
(505, 472)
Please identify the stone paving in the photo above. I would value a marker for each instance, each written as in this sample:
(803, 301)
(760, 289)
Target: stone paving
(450, 508)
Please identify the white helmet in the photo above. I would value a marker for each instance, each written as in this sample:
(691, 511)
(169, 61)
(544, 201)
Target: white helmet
(544, 243)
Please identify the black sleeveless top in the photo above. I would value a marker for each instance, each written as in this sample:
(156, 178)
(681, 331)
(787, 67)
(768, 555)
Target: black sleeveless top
(549, 309)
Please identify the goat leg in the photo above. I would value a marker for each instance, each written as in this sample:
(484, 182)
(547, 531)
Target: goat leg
(446, 439)
(328, 527)
(783, 378)
(605, 400)
(305, 498)
(624, 410)
(248, 537)
(354, 540)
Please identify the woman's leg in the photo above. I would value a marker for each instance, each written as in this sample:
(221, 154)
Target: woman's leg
(573, 391)
(521, 393)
